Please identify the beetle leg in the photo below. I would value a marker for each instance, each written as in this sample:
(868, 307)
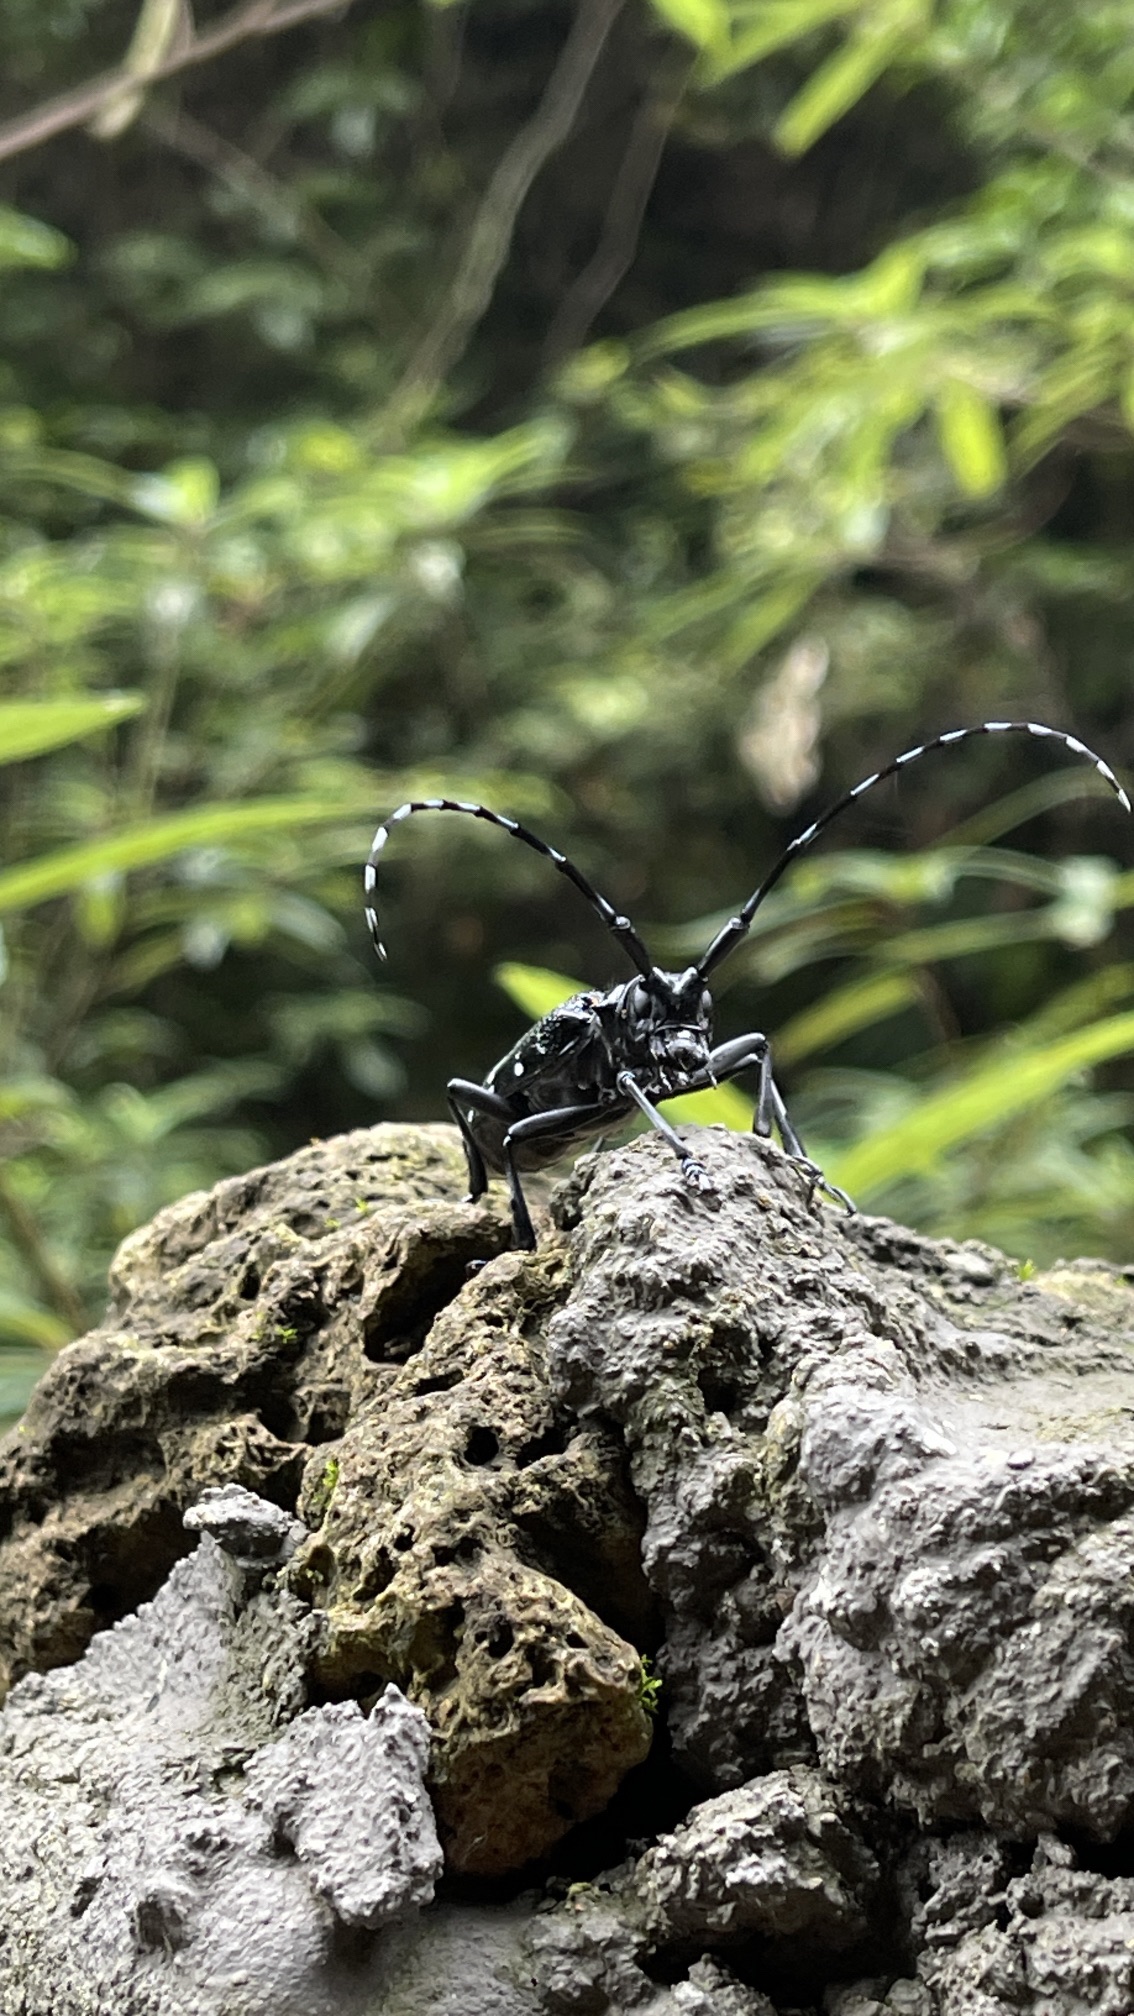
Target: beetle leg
(743, 1051)
(483, 1101)
(694, 1172)
(739, 1055)
(795, 1149)
(560, 1120)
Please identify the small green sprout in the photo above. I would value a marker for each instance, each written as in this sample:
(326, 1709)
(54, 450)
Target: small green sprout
(649, 1686)
(324, 1490)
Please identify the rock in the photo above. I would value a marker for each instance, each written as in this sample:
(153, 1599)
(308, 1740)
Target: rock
(254, 1533)
(308, 1333)
(245, 1328)
(888, 1489)
(424, 1567)
(590, 1957)
(775, 1857)
(1058, 1940)
(345, 1792)
(868, 1497)
(167, 1851)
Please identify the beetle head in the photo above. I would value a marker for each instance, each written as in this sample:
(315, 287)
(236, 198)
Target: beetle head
(664, 1030)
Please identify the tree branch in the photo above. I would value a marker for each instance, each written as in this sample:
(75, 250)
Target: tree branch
(241, 173)
(490, 238)
(622, 224)
(78, 107)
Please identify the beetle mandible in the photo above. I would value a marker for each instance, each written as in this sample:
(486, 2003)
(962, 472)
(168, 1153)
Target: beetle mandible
(590, 1061)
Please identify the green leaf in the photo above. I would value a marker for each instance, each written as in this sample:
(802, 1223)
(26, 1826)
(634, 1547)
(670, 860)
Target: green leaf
(29, 727)
(183, 494)
(535, 989)
(154, 841)
(968, 427)
(20, 1370)
(995, 1091)
(843, 1012)
(705, 23)
(777, 23)
(720, 1106)
(836, 86)
(24, 241)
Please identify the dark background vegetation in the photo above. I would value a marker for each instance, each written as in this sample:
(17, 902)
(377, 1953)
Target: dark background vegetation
(643, 418)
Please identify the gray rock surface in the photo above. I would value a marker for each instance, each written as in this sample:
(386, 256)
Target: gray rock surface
(868, 1499)
(167, 1849)
(774, 1857)
(889, 1489)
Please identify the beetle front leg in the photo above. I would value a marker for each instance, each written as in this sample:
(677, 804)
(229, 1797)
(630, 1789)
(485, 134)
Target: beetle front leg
(482, 1101)
(743, 1053)
(794, 1147)
(694, 1172)
(566, 1120)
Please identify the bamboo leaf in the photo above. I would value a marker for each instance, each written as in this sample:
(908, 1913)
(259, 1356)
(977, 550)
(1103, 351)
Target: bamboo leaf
(843, 1012)
(996, 1090)
(534, 989)
(720, 1106)
(972, 442)
(21, 1369)
(24, 241)
(837, 86)
(777, 23)
(705, 23)
(30, 727)
(154, 841)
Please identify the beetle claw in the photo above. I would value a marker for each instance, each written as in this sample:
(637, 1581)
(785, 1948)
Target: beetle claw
(698, 1177)
(816, 1181)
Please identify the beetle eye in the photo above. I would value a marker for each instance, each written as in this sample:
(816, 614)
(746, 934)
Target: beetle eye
(641, 1000)
(706, 1004)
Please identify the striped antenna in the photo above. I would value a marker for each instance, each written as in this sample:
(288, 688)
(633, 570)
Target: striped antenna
(620, 927)
(731, 933)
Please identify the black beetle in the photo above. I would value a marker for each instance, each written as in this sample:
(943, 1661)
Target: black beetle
(588, 1063)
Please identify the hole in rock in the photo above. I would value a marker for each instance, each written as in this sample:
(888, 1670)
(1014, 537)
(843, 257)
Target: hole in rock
(652, 1799)
(591, 1541)
(444, 1382)
(1102, 1858)
(482, 1446)
(501, 1641)
(720, 1388)
(328, 1417)
(552, 1442)
(277, 1413)
(250, 1284)
(377, 1575)
(127, 1566)
(104, 1457)
(410, 1305)
(466, 1548)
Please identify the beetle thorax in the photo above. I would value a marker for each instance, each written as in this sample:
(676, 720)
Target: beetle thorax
(662, 1030)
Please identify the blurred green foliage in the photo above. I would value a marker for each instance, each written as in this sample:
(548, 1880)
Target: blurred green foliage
(361, 436)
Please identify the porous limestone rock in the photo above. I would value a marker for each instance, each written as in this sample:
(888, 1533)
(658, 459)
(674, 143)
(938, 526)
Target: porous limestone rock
(774, 1858)
(868, 1499)
(889, 1490)
(280, 1332)
(178, 1840)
